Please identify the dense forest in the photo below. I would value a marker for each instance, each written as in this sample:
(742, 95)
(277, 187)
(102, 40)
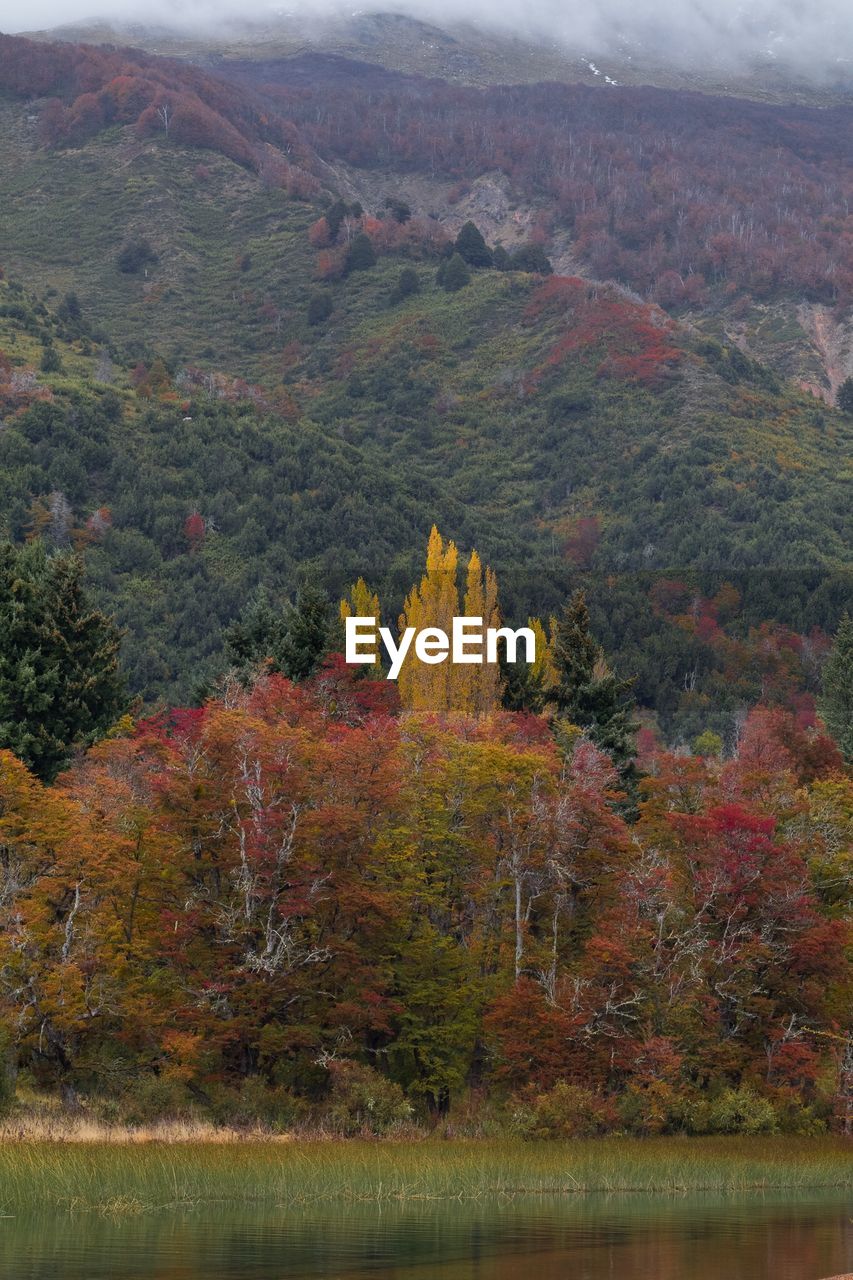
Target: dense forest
(674, 194)
(243, 374)
(313, 901)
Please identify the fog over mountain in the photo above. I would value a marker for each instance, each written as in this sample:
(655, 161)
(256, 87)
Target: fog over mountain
(813, 38)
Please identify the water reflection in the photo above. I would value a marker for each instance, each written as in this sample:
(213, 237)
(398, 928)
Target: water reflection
(594, 1238)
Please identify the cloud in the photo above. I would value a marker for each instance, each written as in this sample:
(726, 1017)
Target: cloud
(816, 35)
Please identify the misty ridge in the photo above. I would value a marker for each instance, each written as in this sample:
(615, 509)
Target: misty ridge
(815, 40)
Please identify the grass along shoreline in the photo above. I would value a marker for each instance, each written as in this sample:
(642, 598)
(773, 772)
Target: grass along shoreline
(134, 1178)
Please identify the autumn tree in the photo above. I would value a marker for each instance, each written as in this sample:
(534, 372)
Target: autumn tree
(363, 603)
(472, 688)
(477, 687)
(428, 687)
(278, 888)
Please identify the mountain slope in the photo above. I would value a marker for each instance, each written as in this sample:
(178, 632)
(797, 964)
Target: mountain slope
(636, 185)
(240, 398)
(488, 411)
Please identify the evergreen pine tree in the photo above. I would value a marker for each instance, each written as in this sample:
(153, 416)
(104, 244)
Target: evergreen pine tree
(50, 361)
(308, 631)
(320, 307)
(335, 215)
(361, 255)
(522, 685)
(836, 701)
(407, 284)
(257, 636)
(844, 399)
(472, 248)
(453, 274)
(362, 603)
(587, 693)
(60, 682)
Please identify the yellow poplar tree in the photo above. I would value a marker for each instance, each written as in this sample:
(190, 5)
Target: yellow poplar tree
(363, 603)
(434, 603)
(477, 688)
(543, 666)
(471, 688)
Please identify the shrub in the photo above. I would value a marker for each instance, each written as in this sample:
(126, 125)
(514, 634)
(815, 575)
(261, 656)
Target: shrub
(361, 255)
(256, 1103)
(453, 274)
(320, 308)
(151, 1098)
(805, 1119)
(399, 210)
(531, 258)
(135, 255)
(567, 403)
(742, 1111)
(50, 361)
(408, 283)
(659, 1106)
(7, 1069)
(566, 1111)
(362, 1101)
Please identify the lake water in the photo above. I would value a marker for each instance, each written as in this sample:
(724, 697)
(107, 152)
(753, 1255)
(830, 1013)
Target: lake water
(592, 1238)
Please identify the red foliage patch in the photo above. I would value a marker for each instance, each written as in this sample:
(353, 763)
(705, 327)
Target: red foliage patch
(635, 339)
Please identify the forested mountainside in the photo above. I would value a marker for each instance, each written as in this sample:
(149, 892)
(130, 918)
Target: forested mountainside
(732, 212)
(197, 327)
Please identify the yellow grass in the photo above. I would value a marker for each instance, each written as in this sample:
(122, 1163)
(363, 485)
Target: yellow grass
(64, 1128)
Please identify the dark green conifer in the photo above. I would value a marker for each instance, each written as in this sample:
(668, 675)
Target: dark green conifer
(60, 682)
(453, 274)
(408, 283)
(588, 693)
(361, 255)
(472, 248)
(522, 686)
(308, 630)
(257, 636)
(844, 399)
